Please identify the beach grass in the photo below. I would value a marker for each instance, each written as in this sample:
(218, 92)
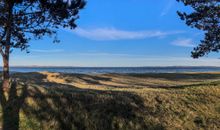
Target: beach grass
(56, 101)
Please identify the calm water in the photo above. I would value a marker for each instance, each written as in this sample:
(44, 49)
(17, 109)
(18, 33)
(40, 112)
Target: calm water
(88, 70)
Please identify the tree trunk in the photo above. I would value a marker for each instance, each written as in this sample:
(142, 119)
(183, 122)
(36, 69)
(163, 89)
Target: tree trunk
(6, 75)
(5, 55)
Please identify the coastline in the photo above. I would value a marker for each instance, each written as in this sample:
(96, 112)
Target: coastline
(104, 70)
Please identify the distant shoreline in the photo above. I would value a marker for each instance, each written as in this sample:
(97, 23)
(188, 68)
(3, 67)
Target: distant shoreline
(120, 70)
(114, 67)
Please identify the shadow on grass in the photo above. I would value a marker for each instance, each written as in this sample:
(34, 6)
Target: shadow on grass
(127, 80)
(178, 76)
(11, 104)
(63, 107)
(212, 83)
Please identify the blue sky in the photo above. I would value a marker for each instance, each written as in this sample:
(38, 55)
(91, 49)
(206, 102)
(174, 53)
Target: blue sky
(121, 33)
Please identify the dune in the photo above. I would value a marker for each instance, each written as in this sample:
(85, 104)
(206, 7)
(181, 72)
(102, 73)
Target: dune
(58, 101)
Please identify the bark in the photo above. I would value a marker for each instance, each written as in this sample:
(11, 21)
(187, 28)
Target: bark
(6, 75)
(6, 53)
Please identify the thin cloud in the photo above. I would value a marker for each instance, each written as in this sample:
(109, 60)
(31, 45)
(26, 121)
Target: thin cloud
(103, 34)
(47, 51)
(167, 8)
(183, 42)
(114, 60)
(106, 54)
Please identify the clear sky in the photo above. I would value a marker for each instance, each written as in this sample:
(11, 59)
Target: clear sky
(121, 33)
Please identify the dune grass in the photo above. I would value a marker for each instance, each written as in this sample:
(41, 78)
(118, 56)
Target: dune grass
(53, 101)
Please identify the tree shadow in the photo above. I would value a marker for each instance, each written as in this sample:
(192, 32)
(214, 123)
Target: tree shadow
(90, 79)
(99, 80)
(127, 80)
(81, 109)
(11, 103)
(212, 83)
(58, 106)
(178, 76)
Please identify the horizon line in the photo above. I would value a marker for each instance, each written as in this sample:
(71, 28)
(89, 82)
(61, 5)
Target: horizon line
(35, 66)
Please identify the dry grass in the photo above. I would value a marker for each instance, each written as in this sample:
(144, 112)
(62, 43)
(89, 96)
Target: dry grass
(54, 101)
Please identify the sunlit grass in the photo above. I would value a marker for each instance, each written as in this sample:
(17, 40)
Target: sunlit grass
(119, 101)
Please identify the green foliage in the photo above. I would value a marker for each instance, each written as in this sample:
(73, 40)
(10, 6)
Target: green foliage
(205, 17)
(21, 20)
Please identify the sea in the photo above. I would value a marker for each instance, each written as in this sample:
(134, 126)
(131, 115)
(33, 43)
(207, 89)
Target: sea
(103, 70)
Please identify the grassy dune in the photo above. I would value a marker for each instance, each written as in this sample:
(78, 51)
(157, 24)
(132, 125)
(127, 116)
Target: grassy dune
(53, 101)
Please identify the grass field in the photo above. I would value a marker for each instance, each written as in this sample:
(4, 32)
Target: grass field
(53, 101)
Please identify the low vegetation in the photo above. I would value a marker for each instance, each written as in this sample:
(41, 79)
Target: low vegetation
(53, 101)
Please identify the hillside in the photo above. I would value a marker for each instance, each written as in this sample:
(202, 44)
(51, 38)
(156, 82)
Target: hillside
(53, 101)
